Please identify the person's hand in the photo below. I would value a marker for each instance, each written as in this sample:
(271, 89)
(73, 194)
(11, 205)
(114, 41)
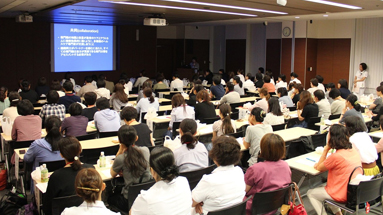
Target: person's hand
(198, 208)
(326, 148)
(122, 149)
(315, 165)
(369, 114)
(355, 84)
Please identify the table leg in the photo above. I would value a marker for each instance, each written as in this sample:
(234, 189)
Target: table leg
(302, 179)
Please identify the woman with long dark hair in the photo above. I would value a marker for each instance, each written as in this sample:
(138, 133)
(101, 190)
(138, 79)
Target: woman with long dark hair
(343, 88)
(274, 115)
(306, 109)
(192, 154)
(132, 161)
(225, 125)
(119, 98)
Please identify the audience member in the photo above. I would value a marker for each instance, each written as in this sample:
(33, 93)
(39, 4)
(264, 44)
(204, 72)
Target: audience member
(259, 80)
(141, 79)
(294, 78)
(88, 86)
(343, 88)
(283, 97)
(240, 75)
(338, 102)
(160, 85)
(176, 84)
(378, 103)
(180, 111)
(217, 91)
(147, 84)
(269, 86)
(147, 102)
(352, 108)
(281, 82)
(91, 109)
(249, 84)
(314, 86)
(11, 112)
(76, 124)
(320, 83)
(105, 119)
(101, 91)
(193, 94)
(306, 109)
(56, 86)
(108, 84)
(204, 109)
(265, 96)
(52, 108)
(379, 146)
(225, 125)
(324, 107)
(28, 94)
(69, 97)
(295, 96)
(238, 86)
(119, 98)
(231, 96)
(4, 100)
(208, 77)
(329, 87)
(26, 126)
(274, 115)
(42, 88)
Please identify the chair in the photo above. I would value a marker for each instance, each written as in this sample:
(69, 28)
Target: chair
(60, 203)
(210, 120)
(107, 134)
(296, 148)
(237, 134)
(234, 115)
(235, 105)
(90, 156)
(195, 176)
(278, 127)
(319, 139)
(238, 209)
(311, 123)
(135, 189)
(53, 165)
(366, 191)
(292, 108)
(265, 202)
(176, 125)
(336, 116)
(142, 117)
(90, 136)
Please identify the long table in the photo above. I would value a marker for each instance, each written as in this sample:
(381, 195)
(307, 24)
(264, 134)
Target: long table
(305, 163)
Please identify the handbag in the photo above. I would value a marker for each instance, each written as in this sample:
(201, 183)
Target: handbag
(297, 209)
(172, 144)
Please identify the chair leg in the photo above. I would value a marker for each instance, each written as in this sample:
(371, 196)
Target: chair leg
(357, 209)
(22, 185)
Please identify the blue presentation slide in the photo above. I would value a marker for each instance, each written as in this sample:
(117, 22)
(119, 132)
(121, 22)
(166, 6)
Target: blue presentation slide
(81, 48)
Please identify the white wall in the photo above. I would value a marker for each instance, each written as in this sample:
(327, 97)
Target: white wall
(236, 32)
(274, 30)
(342, 28)
(200, 32)
(255, 48)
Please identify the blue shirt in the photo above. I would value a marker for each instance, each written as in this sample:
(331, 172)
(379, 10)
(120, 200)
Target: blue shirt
(68, 99)
(218, 91)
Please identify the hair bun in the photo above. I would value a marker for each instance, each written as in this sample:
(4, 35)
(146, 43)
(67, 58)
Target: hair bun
(169, 172)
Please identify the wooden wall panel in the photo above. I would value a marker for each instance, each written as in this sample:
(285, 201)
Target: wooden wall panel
(311, 60)
(273, 56)
(235, 55)
(300, 58)
(286, 57)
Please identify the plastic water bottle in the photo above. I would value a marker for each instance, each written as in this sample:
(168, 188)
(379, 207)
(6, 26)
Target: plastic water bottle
(44, 173)
(322, 124)
(102, 160)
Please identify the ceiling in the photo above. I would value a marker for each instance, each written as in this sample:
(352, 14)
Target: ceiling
(98, 12)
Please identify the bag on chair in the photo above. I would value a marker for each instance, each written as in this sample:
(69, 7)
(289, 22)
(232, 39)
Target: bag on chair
(6, 125)
(172, 144)
(297, 209)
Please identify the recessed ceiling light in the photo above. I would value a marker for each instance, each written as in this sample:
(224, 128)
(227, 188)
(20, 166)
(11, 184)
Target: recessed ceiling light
(226, 6)
(336, 4)
(297, 17)
(325, 15)
(181, 8)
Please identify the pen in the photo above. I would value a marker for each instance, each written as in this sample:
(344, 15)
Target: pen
(311, 159)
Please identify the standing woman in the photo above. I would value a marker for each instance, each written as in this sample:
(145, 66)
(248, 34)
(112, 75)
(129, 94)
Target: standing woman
(306, 109)
(238, 86)
(171, 192)
(225, 125)
(255, 132)
(119, 98)
(360, 79)
(204, 109)
(4, 100)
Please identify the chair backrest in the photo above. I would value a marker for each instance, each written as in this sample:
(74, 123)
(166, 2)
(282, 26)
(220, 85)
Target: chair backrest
(210, 120)
(53, 165)
(107, 134)
(296, 148)
(143, 120)
(265, 202)
(336, 116)
(236, 135)
(176, 125)
(278, 127)
(90, 136)
(235, 105)
(319, 139)
(90, 156)
(369, 190)
(311, 123)
(18, 144)
(195, 176)
(294, 108)
(152, 147)
(238, 209)
(135, 189)
(234, 115)
(60, 203)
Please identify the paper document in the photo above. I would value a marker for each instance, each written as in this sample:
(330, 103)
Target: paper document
(106, 172)
(293, 115)
(308, 161)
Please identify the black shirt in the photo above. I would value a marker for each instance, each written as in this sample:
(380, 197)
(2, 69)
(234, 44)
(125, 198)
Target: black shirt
(30, 95)
(344, 92)
(310, 110)
(259, 84)
(296, 99)
(204, 110)
(89, 112)
(143, 133)
(192, 100)
(42, 90)
(61, 183)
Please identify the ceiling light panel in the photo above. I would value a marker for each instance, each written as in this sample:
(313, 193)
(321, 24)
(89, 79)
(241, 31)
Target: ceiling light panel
(12, 5)
(336, 4)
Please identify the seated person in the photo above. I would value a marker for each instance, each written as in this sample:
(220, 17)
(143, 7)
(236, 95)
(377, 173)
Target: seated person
(339, 166)
(129, 115)
(141, 79)
(26, 126)
(217, 91)
(133, 162)
(4, 100)
(324, 107)
(271, 174)
(294, 78)
(375, 107)
(61, 182)
(119, 98)
(338, 102)
(254, 133)
(274, 115)
(11, 112)
(379, 146)
(343, 88)
(42, 88)
(191, 155)
(306, 109)
(296, 93)
(268, 85)
(147, 102)
(105, 119)
(180, 111)
(176, 84)
(89, 186)
(52, 108)
(225, 125)
(231, 96)
(76, 124)
(108, 84)
(314, 86)
(91, 109)
(258, 80)
(329, 87)
(320, 82)
(225, 186)
(88, 86)
(249, 84)
(160, 85)
(193, 94)
(101, 91)
(204, 109)
(147, 84)
(352, 108)
(28, 94)
(69, 97)
(281, 82)
(174, 190)
(283, 97)
(265, 96)
(238, 86)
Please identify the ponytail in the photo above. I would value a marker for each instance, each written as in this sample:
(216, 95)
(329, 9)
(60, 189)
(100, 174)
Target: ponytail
(149, 94)
(264, 92)
(353, 99)
(226, 126)
(70, 149)
(151, 99)
(52, 124)
(238, 80)
(135, 161)
(188, 128)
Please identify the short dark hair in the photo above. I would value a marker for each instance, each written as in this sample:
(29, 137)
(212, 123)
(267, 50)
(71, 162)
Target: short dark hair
(258, 76)
(355, 124)
(343, 83)
(293, 74)
(299, 87)
(381, 83)
(25, 107)
(90, 98)
(339, 137)
(266, 79)
(334, 93)
(249, 75)
(319, 94)
(380, 89)
(100, 83)
(226, 151)
(230, 86)
(283, 77)
(75, 109)
(88, 79)
(14, 98)
(160, 78)
(217, 80)
(282, 91)
(53, 97)
(163, 163)
(42, 81)
(364, 66)
(102, 103)
(25, 84)
(272, 147)
(314, 82)
(68, 86)
(330, 85)
(261, 69)
(319, 78)
(128, 113)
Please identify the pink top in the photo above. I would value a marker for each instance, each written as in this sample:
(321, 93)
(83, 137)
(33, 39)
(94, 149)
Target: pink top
(262, 104)
(266, 176)
(26, 128)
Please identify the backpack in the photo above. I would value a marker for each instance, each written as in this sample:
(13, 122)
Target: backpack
(11, 202)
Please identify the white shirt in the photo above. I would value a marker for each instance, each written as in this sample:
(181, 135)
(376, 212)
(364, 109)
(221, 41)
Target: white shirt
(173, 198)
(89, 209)
(321, 87)
(140, 81)
(359, 75)
(312, 90)
(324, 108)
(281, 84)
(239, 89)
(191, 159)
(128, 87)
(102, 92)
(144, 104)
(272, 81)
(241, 77)
(180, 113)
(177, 84)
(365, 147)
(249, 85)
(223, 82)
(296, 80)
(223, 188)
(11, 112)
(272, 119)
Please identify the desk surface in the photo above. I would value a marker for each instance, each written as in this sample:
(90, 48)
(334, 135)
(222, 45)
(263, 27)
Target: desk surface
(377, 134)
(302, 164)
(336, 121)
(290, 134)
